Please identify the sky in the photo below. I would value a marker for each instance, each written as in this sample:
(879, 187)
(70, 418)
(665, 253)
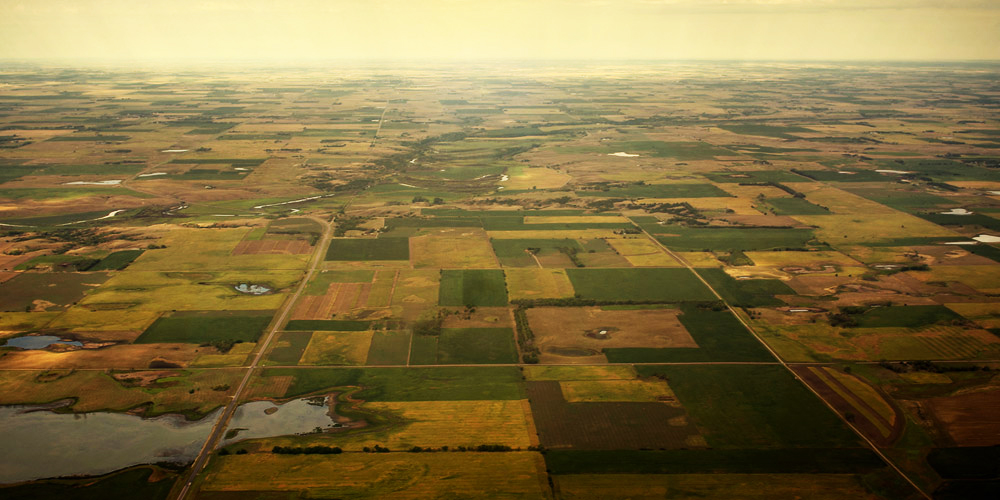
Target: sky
(470, 30)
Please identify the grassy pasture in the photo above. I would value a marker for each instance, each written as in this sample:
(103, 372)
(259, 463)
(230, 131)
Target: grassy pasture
(481, 287)
(776, 131)
(725, 239)
(206, 326)
(514, 252)
(657, 284)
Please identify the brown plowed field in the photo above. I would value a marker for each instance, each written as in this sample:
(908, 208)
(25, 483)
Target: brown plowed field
(273, 247)
(608, 425)
(339, 298)
(562, 332)
(971, 419)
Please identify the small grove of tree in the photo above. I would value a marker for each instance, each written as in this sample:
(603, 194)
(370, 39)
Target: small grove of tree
(307, 450)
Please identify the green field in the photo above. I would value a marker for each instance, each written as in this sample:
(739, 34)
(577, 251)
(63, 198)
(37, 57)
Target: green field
(746, 293)
(907, 316)
(468, 346)
(290, 347)
(714, 461)
(472, 287)
(369, 249)
(389, 348)
(327, 325)
(754, 406)
(203, 327)
(116, 261)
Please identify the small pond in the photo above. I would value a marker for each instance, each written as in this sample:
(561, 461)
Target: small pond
(252, 289)
(38, 341)
(40, 443)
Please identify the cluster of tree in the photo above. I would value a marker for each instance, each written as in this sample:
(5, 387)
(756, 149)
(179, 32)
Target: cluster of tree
(929, 366)
(307, 450)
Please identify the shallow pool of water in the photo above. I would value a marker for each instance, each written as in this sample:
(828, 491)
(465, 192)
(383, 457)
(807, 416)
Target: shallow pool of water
(38, 341)
(40, 443)
(252, 289)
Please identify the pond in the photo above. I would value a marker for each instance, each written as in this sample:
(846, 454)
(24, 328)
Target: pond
(38, 341)
(252, 289)
(40, 443)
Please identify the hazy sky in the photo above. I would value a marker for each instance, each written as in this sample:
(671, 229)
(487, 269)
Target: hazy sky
(290, 30)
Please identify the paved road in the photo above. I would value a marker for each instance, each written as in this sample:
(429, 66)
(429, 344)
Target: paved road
(220, 425)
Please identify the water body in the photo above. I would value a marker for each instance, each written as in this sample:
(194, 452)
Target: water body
(265, 418)
(38, 341)
(40, 443)
(252, 289)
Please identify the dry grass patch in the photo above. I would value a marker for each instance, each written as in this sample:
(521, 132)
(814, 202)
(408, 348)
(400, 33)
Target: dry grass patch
(378, 475)
(337, 348)
(125, 357)
(699, 259)
(636, 391)
(528, 283)
(433, 424)
(983, 278)
(614, 372)
(463, 248)
(641, 252)
(868, 227)
(572, 334)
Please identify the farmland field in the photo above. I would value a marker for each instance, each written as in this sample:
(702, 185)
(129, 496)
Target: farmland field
(616, 280)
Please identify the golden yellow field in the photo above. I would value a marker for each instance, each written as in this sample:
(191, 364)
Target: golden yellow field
(165, 291)
(639, 391)
(337, 348)
(453, 249)
(197, 249)
(642, 252)
(530, 283)
(700, 259)
(615, 372)
(377, 475)
(801, 259)
(557, 234)
(983, 278)
(235, 357)
(867, 227)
